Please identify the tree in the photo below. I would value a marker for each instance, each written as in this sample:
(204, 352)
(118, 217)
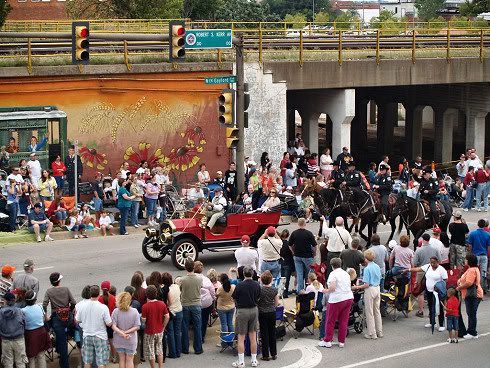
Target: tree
(244, 10)
(474, 8)
(322, 17)
(283, 7)
(157, 9)
(428, 9)
(298, 20)
(5, 9)
(201, 9)
(130, 9)
(347, 19)
(385, 20)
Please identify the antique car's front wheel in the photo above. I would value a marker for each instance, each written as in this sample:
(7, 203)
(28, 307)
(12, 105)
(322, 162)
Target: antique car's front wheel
(152, 250)
(183, 249)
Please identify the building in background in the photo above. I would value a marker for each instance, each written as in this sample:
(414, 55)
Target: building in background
(400, 8)
(365, 9)
(38, 10)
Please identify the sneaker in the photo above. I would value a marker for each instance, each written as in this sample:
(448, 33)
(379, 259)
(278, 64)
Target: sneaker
(427, 325)
(237, 364)
(48, 238)
(39, 239)
(341, 345)
(449, 340)
(380, 335)
(372, 337)
(469, 337)
(325, 344)
(419, 314)
(465, 209)
(456, 341)
(441, 329)
(75, 237)
(84, 236)
(136, 226)
(255, 364)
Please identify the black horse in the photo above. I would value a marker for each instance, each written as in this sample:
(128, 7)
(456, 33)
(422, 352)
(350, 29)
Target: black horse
(416, 217)
(339, 203)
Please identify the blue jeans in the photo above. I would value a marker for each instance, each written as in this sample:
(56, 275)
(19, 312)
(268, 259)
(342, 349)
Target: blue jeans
(468, 201)
(135, 209)
(60, 333)
(322, 324)
(483, 264)
(226, 319)
(61, 215)
(12, 207)
(286, 271)
(193, 313)
(471, 310)
(124, 211)
(302, 266)
(174, 335)
(150, 206)
(273, 267)
(481, 190)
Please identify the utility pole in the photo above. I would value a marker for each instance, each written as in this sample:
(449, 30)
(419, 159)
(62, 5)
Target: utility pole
(240, 108)
(313, 11)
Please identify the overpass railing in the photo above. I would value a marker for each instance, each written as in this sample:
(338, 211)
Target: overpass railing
(262, 45)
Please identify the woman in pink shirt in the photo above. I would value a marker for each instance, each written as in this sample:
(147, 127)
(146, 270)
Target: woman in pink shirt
(152, 190)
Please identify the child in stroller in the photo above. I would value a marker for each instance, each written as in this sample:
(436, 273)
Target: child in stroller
(397, 298)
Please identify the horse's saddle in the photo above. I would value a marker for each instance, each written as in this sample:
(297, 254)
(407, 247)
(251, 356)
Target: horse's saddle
(440, 207)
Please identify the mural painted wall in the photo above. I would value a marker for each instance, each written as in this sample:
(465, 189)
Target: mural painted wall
(168, 119)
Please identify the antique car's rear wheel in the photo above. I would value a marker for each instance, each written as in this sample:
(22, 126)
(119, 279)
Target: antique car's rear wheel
(152, 249)
(183, 249)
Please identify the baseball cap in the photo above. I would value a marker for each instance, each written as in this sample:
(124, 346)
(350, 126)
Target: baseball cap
(105, 285)
(33, 154)
(55, 277)
(457, 214)
(271, 231)
(245, 238)
(28, 263)
(392, 244)
(9, 297)
(436, 229)
(7, 269)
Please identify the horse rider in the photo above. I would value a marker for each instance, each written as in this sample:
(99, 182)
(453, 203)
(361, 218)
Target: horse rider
(217, 207)
(428, 191)
(337, 176)
(383, 186)
(353, 181)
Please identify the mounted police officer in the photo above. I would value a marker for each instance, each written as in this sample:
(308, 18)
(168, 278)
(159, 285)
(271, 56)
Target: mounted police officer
(383, 185)
(428, 191)
(337, 176)
(353, 181)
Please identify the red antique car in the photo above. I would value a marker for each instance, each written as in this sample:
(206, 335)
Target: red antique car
(186, 237)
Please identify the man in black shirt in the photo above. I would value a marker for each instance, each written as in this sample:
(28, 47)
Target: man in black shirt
(231, 183)
(344, 158)
(70, 171)
(457, 249)
(303, 245)
(246, 296)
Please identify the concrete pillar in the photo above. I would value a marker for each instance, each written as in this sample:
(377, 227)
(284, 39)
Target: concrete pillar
(413, 131)
(291, 125)
(444, 122)
(309, 124)
(387, 118)
(372, 112)
(341, 109)
(359, 130)
(475, 131)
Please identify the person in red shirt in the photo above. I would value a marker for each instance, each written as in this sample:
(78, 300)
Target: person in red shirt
(155, 315)
(470, 191)
(109, 300)
(452, 315)
(282, 165)
(58, 208)
(59, 170)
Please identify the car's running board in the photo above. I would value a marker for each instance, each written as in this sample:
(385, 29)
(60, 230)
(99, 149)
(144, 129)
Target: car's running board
(223, 249)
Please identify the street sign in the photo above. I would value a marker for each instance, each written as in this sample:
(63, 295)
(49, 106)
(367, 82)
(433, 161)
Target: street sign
(208, 39)
(220, 80)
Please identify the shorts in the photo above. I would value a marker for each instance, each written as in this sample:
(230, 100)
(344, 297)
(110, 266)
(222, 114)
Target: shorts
(126, 351)
(152, 345)
(452, 323)
(93, 345)
(42, 227)
(246, 320)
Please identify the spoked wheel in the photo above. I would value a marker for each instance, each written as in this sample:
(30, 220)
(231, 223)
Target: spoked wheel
(358, 327)
(152, 250)
(183, 249)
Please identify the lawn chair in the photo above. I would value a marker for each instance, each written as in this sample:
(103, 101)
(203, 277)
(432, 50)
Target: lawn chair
(303, 316)
(228, 340)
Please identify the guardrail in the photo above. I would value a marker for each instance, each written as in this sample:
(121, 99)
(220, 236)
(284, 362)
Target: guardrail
(21, 49)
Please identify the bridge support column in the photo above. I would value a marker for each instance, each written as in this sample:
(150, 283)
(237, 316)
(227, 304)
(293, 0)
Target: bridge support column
(475, 131)
(309, 125)
(372, 112)
(413, 131)
(291, 125)
(444, 122)
(387, 118)
(359, 129)
(341, 109)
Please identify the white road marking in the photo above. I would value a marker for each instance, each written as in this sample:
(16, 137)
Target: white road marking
(310, 355)
(37, 269)
(402, 353)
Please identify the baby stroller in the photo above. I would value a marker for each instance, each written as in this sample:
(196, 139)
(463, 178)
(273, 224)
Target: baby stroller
(397, 299)
(356, 315)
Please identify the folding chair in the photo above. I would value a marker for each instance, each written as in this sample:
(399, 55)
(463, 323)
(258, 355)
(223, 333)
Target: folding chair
(303, 317)
(228, 340)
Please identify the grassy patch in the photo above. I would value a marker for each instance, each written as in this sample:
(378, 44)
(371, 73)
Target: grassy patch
(20, 236)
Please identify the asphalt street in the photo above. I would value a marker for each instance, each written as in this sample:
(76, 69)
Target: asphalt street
(406, 341)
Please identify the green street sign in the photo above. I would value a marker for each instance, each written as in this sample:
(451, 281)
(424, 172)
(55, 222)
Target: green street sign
(208, 39)
(220, 80)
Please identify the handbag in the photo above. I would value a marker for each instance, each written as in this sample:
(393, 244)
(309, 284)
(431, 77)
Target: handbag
(345, 245)
(63, 313)
(419, 287)
(281, 259)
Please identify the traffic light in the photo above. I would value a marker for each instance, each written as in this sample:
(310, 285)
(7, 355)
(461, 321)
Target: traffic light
(231, 137)
(226, 103)
(177, 41)
(80, 43)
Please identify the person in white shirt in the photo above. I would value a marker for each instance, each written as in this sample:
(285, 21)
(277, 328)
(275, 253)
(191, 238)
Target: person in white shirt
(35, 170)
(203, 177)
(115, 185)
(314, 286)
(338, 240)
(105, 223)
(94, 318)
(125, 170)
(437, 244)
(414, 192)
(217, 207)
(269, 246)
(462, 167)
(326, 164)
(194, 194)
(208, 296)
(247, 256)
(474, 161)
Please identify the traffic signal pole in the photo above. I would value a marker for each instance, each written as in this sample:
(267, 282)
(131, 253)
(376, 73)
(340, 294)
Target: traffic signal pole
(240, 108)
